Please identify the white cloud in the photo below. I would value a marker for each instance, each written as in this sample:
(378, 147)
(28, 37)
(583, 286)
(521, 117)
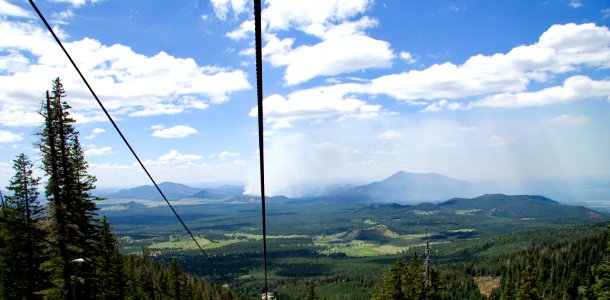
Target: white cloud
(12, 10)
(569, 120)
(336, 101)
(62, 17)
(407, 57)
(561, 49)
(98, 151)
(574, 88)
(224, 155)
(94, 133)
(332, 57)
(76, 3)
(246, 28)
(223, 7)
(496, 141)
(174, 155)
(9, 137)
(389, 135)
(344, 48)
(129, 83)
(343, 45)
(179, 131)
(575, 3)
(442, 105)
(283, 14)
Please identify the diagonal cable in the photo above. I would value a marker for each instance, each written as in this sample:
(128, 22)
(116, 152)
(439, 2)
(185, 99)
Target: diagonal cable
(123, 137)
(259, 96)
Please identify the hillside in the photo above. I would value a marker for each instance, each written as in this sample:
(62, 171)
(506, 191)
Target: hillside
(520, 206)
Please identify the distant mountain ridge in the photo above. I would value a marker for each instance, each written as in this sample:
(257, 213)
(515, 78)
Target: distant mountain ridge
(410, 188)
(496, 206)
(175, 191)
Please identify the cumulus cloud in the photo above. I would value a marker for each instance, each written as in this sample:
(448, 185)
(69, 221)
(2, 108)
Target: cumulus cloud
(304, 15)
(246, 28)
(336, 101)
(574, 88)
(442, 105)
(12, 10)
(406, 56)
(344, 48)
(98, 151)
(389, 135)
(223, 7)
(569, 120)
(180, 131)
(224, 155)
(575, 3)
(174, 155)
(129, 83)
(94, 133)
(9, 137)
(561, 49)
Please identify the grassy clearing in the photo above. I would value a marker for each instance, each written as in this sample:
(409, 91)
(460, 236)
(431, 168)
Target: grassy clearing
(186, 243)
(461, 230)
(258, 237)
(487, 284)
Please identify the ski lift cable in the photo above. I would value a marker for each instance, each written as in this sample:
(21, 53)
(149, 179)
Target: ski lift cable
(43, 19)
(259, 96)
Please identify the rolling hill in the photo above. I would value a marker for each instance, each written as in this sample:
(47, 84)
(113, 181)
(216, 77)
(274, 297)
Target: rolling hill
(520, 206)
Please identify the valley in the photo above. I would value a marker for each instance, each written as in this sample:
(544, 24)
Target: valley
(342, 245)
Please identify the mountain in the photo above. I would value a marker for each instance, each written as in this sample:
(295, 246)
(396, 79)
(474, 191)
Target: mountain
(520, 206)
(411, 188)
(170, 189)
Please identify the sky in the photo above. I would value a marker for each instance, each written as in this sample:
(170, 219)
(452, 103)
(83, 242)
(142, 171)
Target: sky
(354, 91)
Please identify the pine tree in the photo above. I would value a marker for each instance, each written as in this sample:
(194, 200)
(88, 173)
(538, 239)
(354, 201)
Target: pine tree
(508, 287)
(391, 286)
(528, 289)
(23, 249)
(176, 280)
(311, 292)
(110, 276)
(73, 223)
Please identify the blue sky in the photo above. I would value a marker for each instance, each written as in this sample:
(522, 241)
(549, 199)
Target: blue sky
(500, 91)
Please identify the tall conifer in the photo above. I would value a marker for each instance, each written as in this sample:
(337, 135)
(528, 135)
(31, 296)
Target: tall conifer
(23, 251)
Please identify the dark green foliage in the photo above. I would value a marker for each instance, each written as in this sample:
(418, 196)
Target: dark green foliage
(408, 282)
(311, 292)
(110, 277)
(150, 280)
(22, 252)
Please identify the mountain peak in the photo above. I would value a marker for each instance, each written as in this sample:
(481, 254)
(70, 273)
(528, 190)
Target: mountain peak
(405, 187)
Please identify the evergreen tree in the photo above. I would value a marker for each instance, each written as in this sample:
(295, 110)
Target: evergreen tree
(508, 287)
(176, 280)
(23, 249)
(391, 286)
(110, 276)
(72, 206)
(528, 289)
(311, 292)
